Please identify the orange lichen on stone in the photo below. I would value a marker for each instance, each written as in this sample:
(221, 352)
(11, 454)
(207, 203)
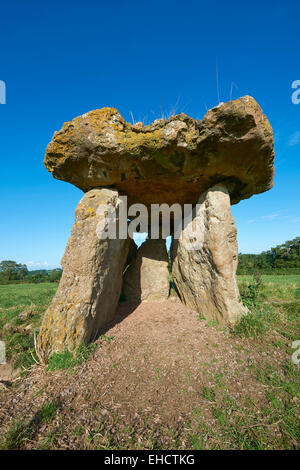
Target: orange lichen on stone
(170, 160)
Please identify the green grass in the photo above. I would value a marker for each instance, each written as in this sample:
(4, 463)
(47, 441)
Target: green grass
(20, 296)
(276, 287)
(68, 360)
(21, 309)
(208, 393)
(107, 339)
(48, 412)
(255, 323)
(287, 279)
(64, 360)
(20, 431)
(271, 305)
(48, 442)
(16, 436)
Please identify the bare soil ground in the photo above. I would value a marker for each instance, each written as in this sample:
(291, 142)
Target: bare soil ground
(160, 377)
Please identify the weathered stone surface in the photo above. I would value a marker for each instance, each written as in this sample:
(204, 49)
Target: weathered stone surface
(147, 278)
(90, 286)
(171, 160)
(205, 277)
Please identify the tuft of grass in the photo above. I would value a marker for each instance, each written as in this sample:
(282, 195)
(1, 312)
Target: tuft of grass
(259, 317)
(250, 293)
(68, 360)
(212, 323)
(63, 360)
(16, 436)
(208, 393)
(48, 441)
(84, 352)
(107, 339)
(48, 411)
(254, 323)
(20, 432)
(200, 317)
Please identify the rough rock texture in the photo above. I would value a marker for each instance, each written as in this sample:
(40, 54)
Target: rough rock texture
(90, 286)
(147, 278)
(171, 160)
(205, 277)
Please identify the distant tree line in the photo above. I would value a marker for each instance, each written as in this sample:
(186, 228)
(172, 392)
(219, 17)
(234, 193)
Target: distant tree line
(12, 272)
(283, 259)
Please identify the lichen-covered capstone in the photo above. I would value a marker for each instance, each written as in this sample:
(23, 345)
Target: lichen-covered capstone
(147, 278)
(205, 276)
(169, 161)
(90, 286)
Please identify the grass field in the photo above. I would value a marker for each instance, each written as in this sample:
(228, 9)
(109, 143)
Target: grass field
(266, 421)
(277, 287)
(21, 309)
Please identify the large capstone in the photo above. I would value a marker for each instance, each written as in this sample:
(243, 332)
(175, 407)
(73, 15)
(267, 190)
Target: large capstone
(169, 161)
(90, 286)
(204, 266)
(147, 278)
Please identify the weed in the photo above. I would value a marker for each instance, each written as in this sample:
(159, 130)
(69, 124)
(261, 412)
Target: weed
(64, 360)
(208, 393)
(48, 411)
(212, 323)
(107, 339)
(68, 360)
(16, 436)
(254, 323)
(249, 293)
(48, 441)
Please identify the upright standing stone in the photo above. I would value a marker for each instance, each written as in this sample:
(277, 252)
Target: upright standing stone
(147, 278)
(90, 286)
(205, 276)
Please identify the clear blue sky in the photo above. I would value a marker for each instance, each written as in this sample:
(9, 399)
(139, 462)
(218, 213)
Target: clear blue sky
(60, 59)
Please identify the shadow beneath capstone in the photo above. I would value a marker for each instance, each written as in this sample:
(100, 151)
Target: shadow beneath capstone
(124, 309)
(127, 307)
